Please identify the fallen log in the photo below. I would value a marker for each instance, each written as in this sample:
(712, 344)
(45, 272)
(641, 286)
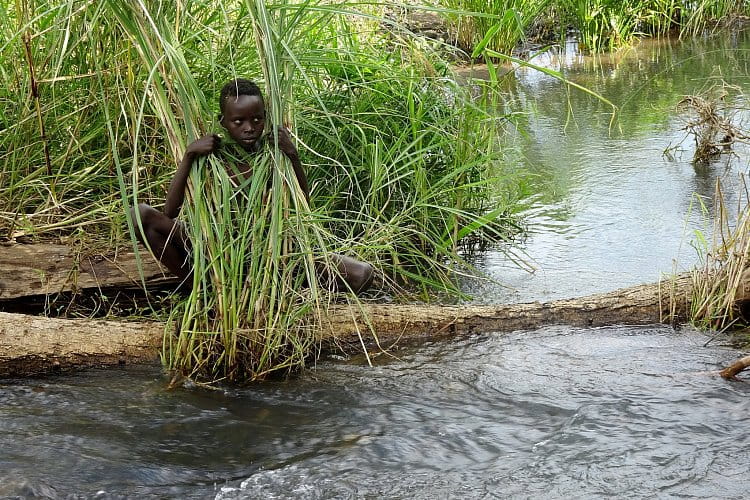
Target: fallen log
(34, 345)
(46, 269)
(31, 345)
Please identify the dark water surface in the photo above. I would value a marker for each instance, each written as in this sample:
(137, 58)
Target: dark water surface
(558, 412)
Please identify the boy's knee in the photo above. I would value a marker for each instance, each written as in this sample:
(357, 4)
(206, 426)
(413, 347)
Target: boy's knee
(360, 277)
(144, 215)
(143, 210)
(140, 216)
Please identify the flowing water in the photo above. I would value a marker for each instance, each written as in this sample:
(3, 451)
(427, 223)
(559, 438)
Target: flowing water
(556, 412)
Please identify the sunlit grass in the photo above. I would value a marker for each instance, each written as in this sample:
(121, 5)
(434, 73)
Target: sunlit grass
(506, 21)
(600, 25)
(399, 157)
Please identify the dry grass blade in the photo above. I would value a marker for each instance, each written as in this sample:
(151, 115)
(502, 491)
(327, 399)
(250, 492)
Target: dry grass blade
(720, 284)
(712, 121)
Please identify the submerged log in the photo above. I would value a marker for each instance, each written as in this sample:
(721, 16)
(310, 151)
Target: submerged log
(32, 345)
(731, 371)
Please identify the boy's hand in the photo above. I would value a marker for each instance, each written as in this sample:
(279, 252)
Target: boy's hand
(203, 146)
(285, 143)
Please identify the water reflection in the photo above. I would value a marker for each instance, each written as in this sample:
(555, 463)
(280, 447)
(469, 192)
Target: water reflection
(610, 208)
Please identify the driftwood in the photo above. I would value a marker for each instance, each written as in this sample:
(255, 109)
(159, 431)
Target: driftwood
(731, 371)
(31, 345)
(45, 269)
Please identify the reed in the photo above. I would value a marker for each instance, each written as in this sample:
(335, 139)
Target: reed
(604, 24)
(505, 22)
(400, 159)
(721, 279)
(601, 25)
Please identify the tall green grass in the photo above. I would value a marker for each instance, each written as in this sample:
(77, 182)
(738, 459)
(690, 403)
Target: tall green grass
(601, 25)
(104, 95)
(604, 24)
(504, 21)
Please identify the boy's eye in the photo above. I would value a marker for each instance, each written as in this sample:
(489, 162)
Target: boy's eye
(237, 122)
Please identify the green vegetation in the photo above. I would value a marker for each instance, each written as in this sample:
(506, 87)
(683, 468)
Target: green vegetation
(100, 99)
(600, 24)
(720, 282)
(505, 22)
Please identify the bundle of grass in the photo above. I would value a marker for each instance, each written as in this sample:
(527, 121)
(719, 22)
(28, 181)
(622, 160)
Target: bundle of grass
(721, 284)
(257, 255)
(253, 279)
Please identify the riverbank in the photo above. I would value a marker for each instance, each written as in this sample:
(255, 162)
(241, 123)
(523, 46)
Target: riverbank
(557, 411)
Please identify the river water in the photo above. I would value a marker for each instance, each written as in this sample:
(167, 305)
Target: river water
(557, 412)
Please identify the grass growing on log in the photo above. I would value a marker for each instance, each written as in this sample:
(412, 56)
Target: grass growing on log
(720, 282)
(720, 294)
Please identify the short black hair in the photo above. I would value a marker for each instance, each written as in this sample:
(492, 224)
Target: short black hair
(236, 88)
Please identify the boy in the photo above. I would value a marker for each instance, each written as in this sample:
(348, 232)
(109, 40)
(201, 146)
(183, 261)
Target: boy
(243, 116)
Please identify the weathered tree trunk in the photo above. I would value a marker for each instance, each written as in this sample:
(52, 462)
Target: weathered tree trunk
(44, 269)
(32, 345)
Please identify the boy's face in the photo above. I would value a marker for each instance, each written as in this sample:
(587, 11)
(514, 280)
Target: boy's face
(244, 119)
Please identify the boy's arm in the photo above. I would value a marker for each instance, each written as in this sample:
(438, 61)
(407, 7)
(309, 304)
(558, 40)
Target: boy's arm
(176, 194)
(287, 147)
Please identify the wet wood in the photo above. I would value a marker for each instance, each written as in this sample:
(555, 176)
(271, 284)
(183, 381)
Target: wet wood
(33, 345)
(44, 269)
(735, 368)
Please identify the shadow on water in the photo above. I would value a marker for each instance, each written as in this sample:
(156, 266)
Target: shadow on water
(557, 412)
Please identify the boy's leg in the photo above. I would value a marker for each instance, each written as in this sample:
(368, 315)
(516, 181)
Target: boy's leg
(352, 274)
(165, 238)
